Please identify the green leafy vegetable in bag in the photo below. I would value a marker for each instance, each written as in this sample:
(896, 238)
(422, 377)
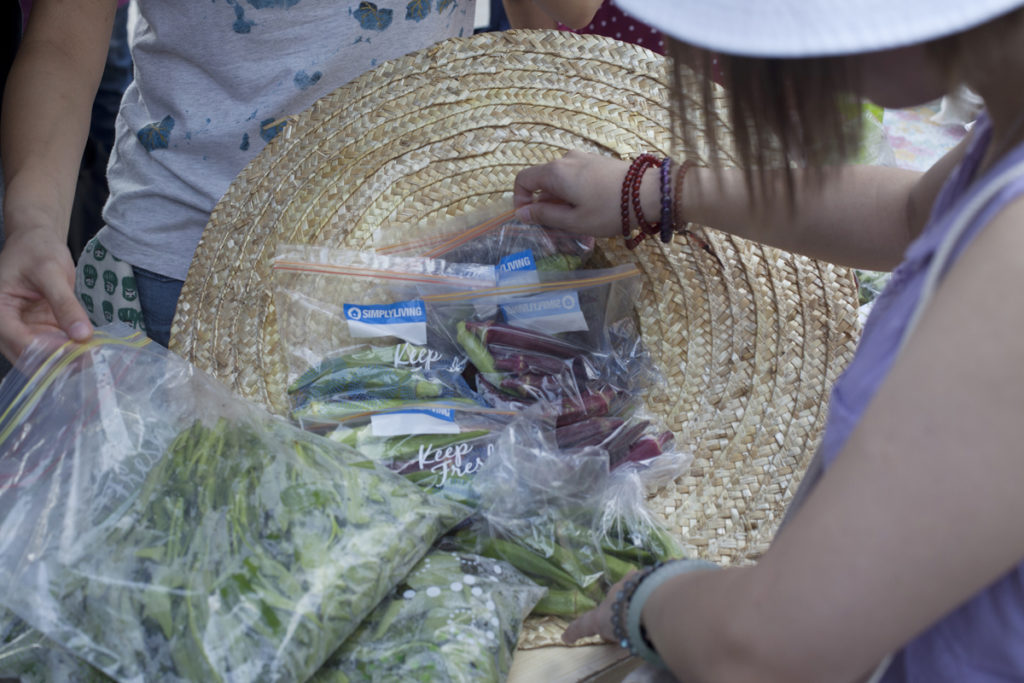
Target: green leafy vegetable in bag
(250, 551)
(456, 618)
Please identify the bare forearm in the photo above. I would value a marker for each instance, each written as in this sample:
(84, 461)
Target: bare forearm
(47, 108)
(856, 215)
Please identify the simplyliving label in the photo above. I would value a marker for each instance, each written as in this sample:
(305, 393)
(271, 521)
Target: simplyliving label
(403, 319)
(550, 313)
(517, 268)
(414, 421)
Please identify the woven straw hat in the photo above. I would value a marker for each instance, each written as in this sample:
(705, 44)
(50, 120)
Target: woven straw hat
(750, 338)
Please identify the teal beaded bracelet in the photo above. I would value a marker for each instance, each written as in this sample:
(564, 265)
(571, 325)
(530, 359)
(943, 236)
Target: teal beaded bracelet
(629, 604)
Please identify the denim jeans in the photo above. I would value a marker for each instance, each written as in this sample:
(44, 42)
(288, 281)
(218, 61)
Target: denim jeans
(158, 297)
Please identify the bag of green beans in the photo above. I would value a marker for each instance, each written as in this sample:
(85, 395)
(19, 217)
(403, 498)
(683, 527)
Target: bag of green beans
(26, 655)
(454, 619)
(560, 517)
(159, 528)
(353, 327)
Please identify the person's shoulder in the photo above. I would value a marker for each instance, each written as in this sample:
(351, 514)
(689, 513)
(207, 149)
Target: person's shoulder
(998, 249)
(1008, 220)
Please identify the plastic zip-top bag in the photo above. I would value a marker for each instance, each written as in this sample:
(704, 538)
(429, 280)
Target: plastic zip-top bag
(492, 235)
(561, 518)
(455, 619)
(356, 332)
(160, 528)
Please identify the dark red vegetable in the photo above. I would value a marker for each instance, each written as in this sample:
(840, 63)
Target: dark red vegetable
(509, 359)
(532, 386)
(648, 447)
(618, 444)
(493, 332)
(498, 398)
(590, 432)
(588, 404)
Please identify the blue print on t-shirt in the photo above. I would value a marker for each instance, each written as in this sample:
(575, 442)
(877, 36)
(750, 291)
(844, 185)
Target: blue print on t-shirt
(303, 80)
(371, 17)
(241, 25)
(269, 128)
(442, 5)
(156, 135)
(245, 142)
(417, 10)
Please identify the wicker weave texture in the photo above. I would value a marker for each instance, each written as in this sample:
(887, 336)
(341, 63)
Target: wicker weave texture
(749, 338)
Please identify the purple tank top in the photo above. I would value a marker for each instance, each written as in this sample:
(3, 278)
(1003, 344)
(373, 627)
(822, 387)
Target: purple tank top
(983, 639)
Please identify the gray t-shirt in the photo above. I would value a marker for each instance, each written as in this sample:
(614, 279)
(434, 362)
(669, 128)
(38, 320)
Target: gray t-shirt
(213, 83)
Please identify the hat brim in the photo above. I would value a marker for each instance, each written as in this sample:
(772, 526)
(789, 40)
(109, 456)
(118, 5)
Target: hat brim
(749, 338)
(811, 28)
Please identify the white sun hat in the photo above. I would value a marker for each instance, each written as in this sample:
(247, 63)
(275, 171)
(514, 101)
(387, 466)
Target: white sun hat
(811, 28)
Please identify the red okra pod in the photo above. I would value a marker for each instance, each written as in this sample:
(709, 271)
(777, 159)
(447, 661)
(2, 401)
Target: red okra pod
(531, 386)
(589, 404)
(493, 332)
(647, 447)
(618, 444)
(589, 432)
(509, 359)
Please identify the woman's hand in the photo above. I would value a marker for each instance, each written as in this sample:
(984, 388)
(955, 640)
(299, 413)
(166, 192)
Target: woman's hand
(579, 192)
(598, 621)
(37, 279)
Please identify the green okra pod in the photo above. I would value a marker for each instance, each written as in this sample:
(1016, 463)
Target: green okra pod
(474, 347)
(616, 569)
(530, 563)
(566, 603)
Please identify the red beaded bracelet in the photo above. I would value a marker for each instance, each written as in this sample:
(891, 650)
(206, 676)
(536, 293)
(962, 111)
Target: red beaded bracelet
(677, 209)
(631, 197)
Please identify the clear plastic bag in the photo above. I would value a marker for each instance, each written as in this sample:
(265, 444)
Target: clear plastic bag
(492, 235)
(455, 619)
(587, 383)
(439, 446)
(26, 655)
(334, 302)
(585, 317)
(160, 528)
(633, 440)
(557, 515)
(399, 371)
(624, 526)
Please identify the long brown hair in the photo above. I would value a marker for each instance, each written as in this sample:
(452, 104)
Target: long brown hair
(779, 113)
(790, 113)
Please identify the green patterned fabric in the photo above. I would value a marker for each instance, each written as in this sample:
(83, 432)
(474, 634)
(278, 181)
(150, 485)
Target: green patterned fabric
(106, 287)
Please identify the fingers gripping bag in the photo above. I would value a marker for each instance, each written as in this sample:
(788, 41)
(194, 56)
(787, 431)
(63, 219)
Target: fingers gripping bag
(159, 528)
(491, 235)
(355, 333)
(455, 619)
